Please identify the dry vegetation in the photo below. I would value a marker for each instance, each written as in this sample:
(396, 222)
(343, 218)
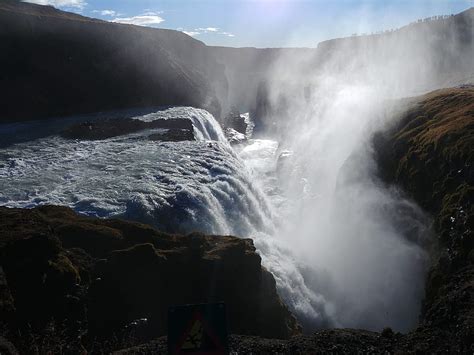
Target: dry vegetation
(430, 154)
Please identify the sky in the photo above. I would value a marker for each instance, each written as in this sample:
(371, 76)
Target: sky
(264, 23)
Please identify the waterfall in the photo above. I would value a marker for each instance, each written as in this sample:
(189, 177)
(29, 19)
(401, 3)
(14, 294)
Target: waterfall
(207, 186)
(175, 186)
(201, 185)
(205, 125)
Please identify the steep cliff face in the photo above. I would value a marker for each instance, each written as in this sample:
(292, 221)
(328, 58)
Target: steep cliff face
(99, 276)
(429, 152)
(57, 63)
(251, 73)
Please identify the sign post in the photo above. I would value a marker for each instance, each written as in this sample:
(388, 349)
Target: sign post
(198, 329)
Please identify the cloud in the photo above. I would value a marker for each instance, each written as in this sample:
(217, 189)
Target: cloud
(228, 34)
(146, 19)
(204, 30)
(106, 12)
(192, 33)
(207, 29)
(73, 4)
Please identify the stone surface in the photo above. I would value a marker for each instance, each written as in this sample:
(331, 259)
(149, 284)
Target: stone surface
(178, 129)
(100, 277)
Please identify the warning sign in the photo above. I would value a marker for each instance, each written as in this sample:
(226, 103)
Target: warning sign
(198, 329)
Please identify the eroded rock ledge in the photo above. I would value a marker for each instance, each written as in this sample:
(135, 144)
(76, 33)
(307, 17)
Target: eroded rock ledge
(98, 277)
(177, 129)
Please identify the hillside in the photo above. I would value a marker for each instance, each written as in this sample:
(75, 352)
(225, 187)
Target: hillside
(57, 63)
(436, 53)
(429, 154)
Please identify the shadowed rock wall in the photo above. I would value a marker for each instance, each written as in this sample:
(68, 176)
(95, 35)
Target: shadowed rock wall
(56, 63)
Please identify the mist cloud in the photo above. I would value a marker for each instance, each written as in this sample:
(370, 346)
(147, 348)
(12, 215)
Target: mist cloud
(359, 244)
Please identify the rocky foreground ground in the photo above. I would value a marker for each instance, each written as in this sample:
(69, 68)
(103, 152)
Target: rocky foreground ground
(106, 283)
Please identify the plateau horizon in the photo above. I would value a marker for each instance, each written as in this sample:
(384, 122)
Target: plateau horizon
(264, 23)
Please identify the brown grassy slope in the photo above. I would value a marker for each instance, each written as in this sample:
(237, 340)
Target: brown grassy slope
(439, 132)
(430, 154)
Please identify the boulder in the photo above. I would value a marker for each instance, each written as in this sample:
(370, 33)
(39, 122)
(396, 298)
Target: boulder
(173, 135)
(41, 279)
(143, 282)
(234, 137)
(7, 305)
(235, 121)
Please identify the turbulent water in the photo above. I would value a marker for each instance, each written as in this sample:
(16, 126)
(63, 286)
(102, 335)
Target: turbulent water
(208, 186)
(200, 185)
(176, 186)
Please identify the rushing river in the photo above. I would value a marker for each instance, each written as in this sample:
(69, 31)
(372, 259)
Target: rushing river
(176, 186)
(200, 185)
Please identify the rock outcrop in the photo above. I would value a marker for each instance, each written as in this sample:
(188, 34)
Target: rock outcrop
(176, 129)
(234, 137)
(235, 127)
(101, 278)
(235, 121)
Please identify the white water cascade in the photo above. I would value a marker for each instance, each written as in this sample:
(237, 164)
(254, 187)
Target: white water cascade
(175, 186)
